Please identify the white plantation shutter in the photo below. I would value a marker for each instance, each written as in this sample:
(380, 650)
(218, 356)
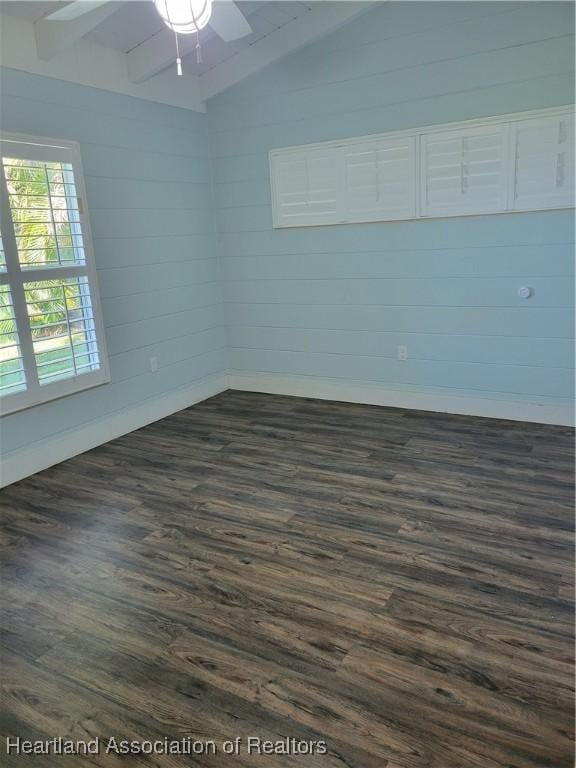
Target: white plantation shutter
(2, 255)
(307, 187)
(518, 162)
(464, 171)
(544, 162)
(13, 376)
(379, 180)
(69, 329)
(51, 333)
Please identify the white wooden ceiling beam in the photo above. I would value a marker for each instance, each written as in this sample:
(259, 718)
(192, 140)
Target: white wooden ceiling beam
(73, 10)
(90, 64)
(54, 36)
(321, 20)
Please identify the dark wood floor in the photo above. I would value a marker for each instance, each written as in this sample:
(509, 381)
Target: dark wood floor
(398, 584)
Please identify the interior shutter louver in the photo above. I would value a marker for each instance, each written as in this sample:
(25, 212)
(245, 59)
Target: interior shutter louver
(307, 186)
(379, 180)
(464, 171)
(544, 163)
(12, 374)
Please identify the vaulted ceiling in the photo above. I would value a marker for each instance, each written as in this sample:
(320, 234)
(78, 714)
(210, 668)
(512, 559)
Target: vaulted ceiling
(133, 33)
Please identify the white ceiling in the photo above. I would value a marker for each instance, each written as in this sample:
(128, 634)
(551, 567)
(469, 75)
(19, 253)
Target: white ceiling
(135, 23)
(125, 46)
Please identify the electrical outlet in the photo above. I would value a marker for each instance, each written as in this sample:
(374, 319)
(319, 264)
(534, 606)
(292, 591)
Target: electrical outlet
(402, 352)
(154, 364)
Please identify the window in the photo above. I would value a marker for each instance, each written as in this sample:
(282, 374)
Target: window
(307, 188)
(544, 161)
(518, 162)
(379, 179)
(51, 334)
(464, 171)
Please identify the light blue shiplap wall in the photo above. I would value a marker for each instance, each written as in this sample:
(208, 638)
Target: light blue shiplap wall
(147, 172)
(322, 303)
(334, 302)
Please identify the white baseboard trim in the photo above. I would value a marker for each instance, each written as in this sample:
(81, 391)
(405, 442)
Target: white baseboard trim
(28, 461)
(373, 394)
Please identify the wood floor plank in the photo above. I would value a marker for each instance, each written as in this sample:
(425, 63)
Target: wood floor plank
(398, 584)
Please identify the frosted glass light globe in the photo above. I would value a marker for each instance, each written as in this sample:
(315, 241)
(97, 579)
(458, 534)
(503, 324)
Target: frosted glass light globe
(184, 16)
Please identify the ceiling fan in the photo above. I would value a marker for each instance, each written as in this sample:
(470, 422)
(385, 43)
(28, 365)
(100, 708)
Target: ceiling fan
(182, 16)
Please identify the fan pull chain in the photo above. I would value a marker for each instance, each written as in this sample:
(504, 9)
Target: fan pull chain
(178, 59)
(198, 46)
(176, 42)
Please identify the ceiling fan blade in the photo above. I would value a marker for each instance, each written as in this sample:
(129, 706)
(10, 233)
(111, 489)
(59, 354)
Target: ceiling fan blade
(75, 9)
(228, 21)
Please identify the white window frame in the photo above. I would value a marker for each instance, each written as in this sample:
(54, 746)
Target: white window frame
(48, 150)
(508, 207)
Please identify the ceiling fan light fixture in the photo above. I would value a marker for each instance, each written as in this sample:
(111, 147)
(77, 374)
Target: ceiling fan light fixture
(184, 16)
